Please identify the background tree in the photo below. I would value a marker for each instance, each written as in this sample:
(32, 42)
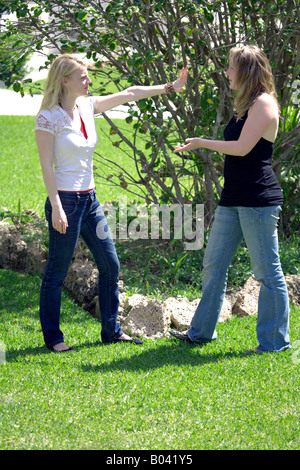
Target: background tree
(12, 62)
(145, 42)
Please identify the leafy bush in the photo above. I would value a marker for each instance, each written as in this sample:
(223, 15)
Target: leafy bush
(12, 62)
(147, 43)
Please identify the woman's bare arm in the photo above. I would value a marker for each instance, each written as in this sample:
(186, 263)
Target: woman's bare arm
(262, 121)
(45, 144)
(135, 93)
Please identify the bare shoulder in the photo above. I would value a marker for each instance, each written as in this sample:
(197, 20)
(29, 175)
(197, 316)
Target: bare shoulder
(267, 104)
(265, 113)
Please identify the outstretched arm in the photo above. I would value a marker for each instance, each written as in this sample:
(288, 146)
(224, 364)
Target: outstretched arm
(262, 121)
(135, 93)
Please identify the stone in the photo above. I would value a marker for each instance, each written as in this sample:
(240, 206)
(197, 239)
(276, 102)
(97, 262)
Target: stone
(247, 299)
(16, 253)
(293, 286)
(226, 312)
(82, 281)
(13, 249)
(146, 317)
(181, 311)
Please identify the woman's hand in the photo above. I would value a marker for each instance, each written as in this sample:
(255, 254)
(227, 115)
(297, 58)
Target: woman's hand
(181, 80)
(59, 220)
(192, 144)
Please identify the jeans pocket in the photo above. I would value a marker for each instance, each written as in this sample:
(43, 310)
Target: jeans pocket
(69, 207)
(270, 214)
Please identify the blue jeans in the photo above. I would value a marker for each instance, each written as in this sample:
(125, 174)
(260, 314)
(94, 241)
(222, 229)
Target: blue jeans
(258, 226)
(85, 216)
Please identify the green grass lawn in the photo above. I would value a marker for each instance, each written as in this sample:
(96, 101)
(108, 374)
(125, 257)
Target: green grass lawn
(163, 395)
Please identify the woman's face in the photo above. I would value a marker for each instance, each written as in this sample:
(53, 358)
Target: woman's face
(77, 84)
(232, 73)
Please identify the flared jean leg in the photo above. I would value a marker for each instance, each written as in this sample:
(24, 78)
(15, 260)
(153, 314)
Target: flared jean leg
(224, 239)
(259, 225)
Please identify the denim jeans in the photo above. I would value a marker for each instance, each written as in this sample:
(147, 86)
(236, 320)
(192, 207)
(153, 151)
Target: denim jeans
(258, 226)
(84, 215)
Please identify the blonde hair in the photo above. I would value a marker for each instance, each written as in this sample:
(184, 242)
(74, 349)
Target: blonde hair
(253, 77)
(61, 67)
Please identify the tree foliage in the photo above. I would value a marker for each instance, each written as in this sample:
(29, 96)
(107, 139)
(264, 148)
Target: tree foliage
(12, 64)
(146, 42)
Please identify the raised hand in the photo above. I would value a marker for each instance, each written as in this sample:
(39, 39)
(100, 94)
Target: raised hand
(181, 80)
(192, 144)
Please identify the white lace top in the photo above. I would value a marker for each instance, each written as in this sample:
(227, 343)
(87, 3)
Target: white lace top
(73, 153)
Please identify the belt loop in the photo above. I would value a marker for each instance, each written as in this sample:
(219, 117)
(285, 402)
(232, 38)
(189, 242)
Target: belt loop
(77, 198)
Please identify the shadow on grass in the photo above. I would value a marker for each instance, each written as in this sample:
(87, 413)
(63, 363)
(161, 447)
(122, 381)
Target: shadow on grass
(13, 355)
(168, 352)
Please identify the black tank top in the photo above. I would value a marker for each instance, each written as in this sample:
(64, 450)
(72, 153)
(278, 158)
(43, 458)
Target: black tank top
(250, 180)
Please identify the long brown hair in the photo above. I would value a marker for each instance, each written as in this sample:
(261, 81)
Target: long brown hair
(62, 66)
(253, 77)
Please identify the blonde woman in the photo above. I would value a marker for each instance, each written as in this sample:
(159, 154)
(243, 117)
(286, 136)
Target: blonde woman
(66, 138)
(249, 207)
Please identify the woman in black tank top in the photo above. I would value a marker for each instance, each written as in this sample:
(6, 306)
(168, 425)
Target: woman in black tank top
(249, 206)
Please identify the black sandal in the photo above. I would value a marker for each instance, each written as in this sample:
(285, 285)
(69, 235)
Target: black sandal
(131, 340)
(181, 336)
(185, 337)
(62, 351)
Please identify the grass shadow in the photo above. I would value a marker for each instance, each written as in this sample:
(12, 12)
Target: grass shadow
(168, 352)
(13, 355)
